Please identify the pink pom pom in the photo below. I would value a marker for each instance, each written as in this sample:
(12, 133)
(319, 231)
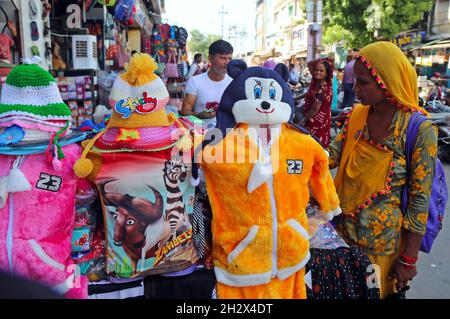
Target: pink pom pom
(57, 165)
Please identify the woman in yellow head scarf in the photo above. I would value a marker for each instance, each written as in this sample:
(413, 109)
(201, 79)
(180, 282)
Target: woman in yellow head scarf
(370, 154)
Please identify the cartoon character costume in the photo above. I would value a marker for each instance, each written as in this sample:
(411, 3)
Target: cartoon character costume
(143, 182)
(37, 182)
(260, 185)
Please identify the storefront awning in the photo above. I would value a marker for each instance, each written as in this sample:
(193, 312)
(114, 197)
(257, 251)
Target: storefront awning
(439, 45)
(435, 44)
(413, 46)
(297, 53)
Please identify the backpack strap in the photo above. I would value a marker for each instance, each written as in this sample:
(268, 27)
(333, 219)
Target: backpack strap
(411, 136)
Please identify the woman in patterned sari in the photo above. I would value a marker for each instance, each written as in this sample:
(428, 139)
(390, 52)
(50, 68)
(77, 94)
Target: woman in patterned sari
(370, 154)
(317, 110)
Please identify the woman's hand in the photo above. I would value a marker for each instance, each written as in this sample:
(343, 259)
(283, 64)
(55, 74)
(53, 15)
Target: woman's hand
(317, 104)
(403, 274)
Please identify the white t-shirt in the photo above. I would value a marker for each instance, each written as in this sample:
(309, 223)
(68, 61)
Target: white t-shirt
(192, 70)
(206, 90)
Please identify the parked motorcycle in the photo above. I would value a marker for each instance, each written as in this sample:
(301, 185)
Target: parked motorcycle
(440, 115)
(338, 118)
(299, 94)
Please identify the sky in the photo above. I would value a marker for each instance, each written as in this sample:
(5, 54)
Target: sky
(204, 16)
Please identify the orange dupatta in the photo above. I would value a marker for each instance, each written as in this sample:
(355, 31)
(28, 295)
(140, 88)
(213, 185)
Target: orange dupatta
(364, 170)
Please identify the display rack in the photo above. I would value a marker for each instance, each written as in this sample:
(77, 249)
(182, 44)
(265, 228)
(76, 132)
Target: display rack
(79, 116)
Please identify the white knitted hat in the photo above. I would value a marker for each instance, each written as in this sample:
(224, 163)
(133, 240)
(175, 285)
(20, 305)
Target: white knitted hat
(31, 109)
(31, 93)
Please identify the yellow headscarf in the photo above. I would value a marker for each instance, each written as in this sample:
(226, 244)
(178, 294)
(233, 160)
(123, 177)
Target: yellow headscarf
(393, 71)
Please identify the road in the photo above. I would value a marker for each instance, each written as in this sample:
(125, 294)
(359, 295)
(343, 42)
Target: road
(433, 278)
(433, 270)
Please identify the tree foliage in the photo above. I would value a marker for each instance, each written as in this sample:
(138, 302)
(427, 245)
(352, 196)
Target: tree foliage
(199, 42)
(367, 20)
(337, 34)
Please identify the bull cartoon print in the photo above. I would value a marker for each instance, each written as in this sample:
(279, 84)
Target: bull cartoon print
(147, 215)
(132, 217)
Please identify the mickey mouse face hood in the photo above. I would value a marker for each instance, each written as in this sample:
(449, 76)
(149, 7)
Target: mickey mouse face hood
(255, 96)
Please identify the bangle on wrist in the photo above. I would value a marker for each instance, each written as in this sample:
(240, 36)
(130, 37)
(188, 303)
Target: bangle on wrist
(407, 265)
(407, 259)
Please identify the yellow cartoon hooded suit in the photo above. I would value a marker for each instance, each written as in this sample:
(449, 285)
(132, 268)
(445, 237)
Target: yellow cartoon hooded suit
(258, 177)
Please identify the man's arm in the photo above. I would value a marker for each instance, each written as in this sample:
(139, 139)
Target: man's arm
(188, 104)
(188, 108)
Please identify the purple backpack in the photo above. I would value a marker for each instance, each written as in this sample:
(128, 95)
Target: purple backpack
(439, 193)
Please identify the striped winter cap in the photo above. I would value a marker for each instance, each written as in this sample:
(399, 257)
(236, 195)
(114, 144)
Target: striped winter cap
(31, 93)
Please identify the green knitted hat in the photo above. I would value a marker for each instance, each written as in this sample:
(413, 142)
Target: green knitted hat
(31, 93)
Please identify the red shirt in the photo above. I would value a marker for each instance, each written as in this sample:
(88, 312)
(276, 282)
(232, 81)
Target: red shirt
(5, 47)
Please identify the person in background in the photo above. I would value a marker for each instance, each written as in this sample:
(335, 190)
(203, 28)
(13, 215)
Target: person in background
(293, 75)
(269, 64)
(204, 91)
(348, 82)
(195, 68)
(317, 110)
(335, 85)
(369, 152)
(436, 92)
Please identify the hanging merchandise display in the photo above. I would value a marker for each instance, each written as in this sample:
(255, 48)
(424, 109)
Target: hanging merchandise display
(167, 41)
(146, 43)
(168, 46)
(161, 66)
(171, 67)
(182, 66)
(159, 47)
(34, 31)
(143, 181)
(33, 10)
(123, 11)
(164, 31)
(37, 154)
(7, 45)
(182, 37)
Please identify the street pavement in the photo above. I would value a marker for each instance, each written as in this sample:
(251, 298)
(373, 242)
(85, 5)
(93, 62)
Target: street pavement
(433, 270)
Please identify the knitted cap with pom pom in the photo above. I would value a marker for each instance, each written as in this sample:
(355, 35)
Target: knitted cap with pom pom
(139, 121)
(32, 110)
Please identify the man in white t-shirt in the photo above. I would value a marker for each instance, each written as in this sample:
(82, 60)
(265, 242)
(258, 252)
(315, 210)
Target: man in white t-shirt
(204, 91)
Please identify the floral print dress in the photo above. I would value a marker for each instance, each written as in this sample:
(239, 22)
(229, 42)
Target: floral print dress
(377, 227)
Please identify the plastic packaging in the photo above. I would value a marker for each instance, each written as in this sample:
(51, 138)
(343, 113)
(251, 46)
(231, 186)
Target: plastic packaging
(321, 231)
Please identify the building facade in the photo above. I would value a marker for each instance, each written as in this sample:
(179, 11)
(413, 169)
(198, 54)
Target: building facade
(283, 28)
(440, 23)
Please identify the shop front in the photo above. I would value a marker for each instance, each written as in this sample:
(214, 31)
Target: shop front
(24, 33)
(428, 54)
